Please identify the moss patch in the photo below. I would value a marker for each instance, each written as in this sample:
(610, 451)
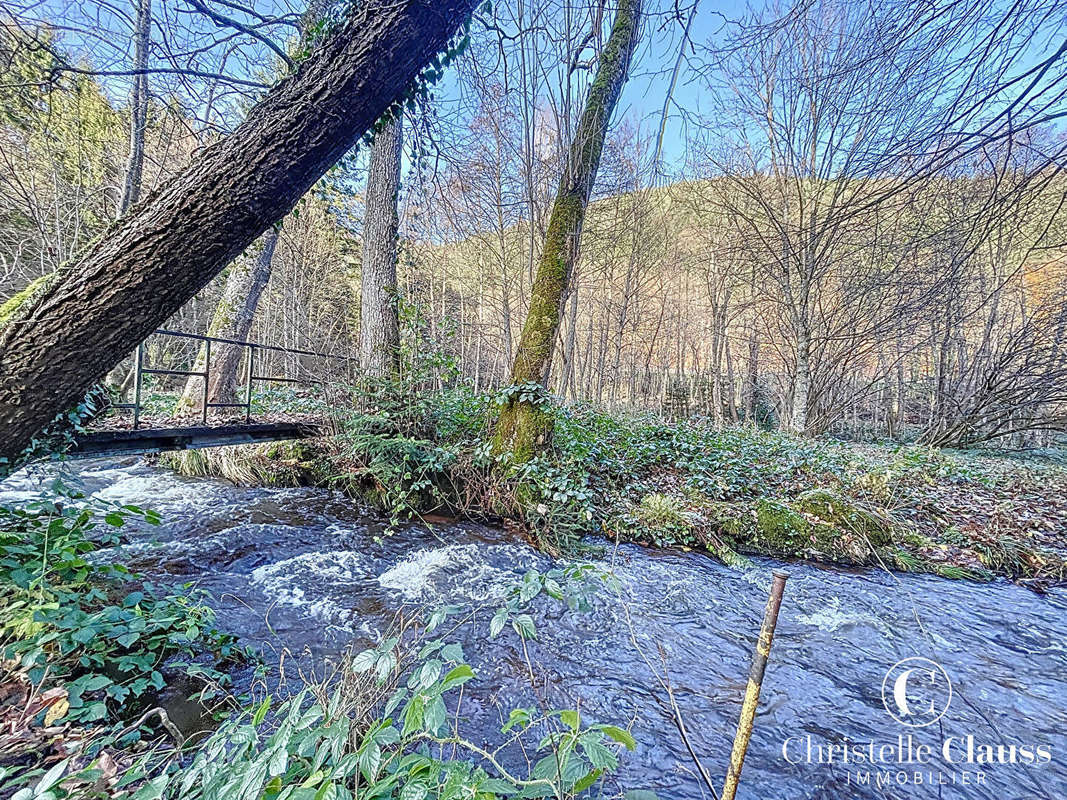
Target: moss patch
(777, 528)
(295, 463)
(848, 516)
(36, 288)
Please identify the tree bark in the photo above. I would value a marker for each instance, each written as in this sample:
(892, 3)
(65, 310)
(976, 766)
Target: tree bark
(798, 419)
(525, 427)
(131, 187)
(379, 328)
(752, 379)
(568, 386)
(67, 332)
(232, 320)
(122, 375)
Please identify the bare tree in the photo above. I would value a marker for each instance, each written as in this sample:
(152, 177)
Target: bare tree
(131, 186)
(379, 329)
(246, 278)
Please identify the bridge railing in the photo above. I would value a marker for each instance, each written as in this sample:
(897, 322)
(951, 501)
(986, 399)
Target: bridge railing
(251, 359)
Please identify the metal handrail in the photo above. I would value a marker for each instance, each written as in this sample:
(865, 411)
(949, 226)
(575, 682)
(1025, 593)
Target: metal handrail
(140, 371)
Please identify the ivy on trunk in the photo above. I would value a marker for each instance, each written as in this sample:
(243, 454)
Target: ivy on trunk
(65, 334)
(525, 425)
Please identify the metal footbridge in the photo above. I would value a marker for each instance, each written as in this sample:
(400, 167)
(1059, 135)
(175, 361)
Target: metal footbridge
(130, 427)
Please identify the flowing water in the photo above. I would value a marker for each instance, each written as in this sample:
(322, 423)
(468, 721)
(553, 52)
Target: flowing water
(310, 571)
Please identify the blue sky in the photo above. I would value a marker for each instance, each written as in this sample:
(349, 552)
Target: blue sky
(642, 99)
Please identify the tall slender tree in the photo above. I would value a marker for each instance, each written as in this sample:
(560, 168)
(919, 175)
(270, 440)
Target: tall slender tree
(131, 187)
(62, 334)
(523, 426)
(379, 329)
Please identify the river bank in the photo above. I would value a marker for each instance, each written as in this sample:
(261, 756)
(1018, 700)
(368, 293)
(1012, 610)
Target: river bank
(731, 493)
(307, 572)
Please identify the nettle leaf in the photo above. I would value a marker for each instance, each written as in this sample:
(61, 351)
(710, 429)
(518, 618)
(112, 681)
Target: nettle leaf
(385, 665)
(518, 716)
(436, 618)
(428, 674)
(413, 714)
(524, 626)
(364, 661)
(394, 701)
(497, 786)
(452, 652)
(436, 715)
(387, 736)
(496, 624)
(457, 676)
(599, 755)
(370, 761)
(619, 735)
(587, 781)
(553, 589)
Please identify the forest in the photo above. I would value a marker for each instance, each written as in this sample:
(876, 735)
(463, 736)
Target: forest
(387, 386)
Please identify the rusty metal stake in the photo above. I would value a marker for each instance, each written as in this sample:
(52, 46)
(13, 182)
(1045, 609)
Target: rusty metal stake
(755, 682)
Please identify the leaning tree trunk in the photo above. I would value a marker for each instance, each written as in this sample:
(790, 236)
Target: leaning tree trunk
(233, 318)
(524, 426)
(60, 336)
(379, 329)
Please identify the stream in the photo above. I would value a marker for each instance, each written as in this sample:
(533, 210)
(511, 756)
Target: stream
(311, 571)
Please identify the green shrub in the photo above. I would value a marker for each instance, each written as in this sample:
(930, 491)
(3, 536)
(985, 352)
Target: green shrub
(94, 628)
(386, 724)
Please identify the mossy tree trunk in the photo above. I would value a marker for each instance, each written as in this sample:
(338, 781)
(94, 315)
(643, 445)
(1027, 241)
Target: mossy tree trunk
(525, 426)
(233, 318)
(98, 307)
(379, 329)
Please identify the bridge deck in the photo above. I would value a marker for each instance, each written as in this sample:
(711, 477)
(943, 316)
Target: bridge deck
(154, 440)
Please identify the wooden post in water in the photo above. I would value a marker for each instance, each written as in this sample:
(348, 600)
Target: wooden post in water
(755, 682)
